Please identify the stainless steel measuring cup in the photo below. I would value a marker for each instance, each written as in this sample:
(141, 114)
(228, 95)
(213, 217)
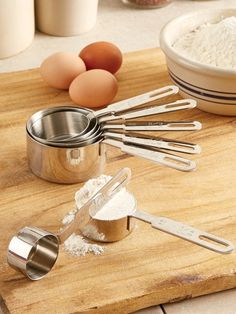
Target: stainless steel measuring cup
(93, 117)
(34, 251)
(60, 125)
(116, 229)
(178, 105)
(54, 125)
(77, 164)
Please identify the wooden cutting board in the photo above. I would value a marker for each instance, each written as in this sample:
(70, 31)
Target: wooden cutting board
(148, 267)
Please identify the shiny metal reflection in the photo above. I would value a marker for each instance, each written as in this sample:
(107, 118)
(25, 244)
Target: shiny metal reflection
(33, 251)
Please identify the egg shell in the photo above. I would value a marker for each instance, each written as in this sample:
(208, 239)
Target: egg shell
(94, 88)
(61, 68)
(102, 55)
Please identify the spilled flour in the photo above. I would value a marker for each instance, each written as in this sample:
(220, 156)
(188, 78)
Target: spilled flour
(76, 245)
(211, 43)
(122, 204)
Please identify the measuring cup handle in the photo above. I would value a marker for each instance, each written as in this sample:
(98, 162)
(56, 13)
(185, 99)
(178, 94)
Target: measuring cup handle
(138, 100)
(191, 234)
(182, 104)
(169, 160)
(176, 146)
(161, 143)
(202, 238)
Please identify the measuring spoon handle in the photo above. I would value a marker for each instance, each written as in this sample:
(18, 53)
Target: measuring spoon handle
(138, 100)
(158, 109)
(186, 232)
(169, 160)
(161, 143)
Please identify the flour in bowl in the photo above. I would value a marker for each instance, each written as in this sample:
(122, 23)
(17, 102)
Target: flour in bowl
(211, 43)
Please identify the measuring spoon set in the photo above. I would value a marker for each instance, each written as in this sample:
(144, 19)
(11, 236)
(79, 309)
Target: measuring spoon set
(34, 251)
(66, 144)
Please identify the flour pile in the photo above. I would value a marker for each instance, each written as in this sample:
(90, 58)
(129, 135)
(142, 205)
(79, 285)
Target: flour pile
(120, 205)
(212, 44)
(76, 245)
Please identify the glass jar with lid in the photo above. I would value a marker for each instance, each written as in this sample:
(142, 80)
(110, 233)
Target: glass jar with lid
(147, 4)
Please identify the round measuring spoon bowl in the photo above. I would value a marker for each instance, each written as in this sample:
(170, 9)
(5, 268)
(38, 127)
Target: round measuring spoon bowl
(112, 223)
(33, 251)
(60, 123)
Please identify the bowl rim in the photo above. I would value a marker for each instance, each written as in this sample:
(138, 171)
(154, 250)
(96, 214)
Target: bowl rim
(177, 57)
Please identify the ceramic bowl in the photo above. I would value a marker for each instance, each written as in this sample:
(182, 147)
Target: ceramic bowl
(213, 87)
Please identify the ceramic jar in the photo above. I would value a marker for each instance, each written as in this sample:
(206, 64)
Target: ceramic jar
(16, 26)
(66, 17)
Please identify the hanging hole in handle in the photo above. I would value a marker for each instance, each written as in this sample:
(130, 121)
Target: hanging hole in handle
(178, 105)
(182, 125)
(214, 241)
(164, 90)
(187, 148)
(178, 162)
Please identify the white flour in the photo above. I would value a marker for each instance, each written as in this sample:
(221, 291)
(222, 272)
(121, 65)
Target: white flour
(213, 44)
(78, 246)
(122, 204)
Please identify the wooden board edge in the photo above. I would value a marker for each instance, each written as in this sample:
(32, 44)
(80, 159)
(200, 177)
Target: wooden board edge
(132, 305)
(3, 307)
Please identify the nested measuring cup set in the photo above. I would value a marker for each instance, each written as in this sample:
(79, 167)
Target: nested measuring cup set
(34, 251)
(68, 144)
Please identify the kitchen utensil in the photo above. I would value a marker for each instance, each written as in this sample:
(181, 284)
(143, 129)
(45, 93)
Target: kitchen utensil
(156, 126)
(62, 123)
(212, 87)
(169, 160)
(59, 125)
(158, 142)
(113, 230)
(64, 144)
(182, 104)
(34, 251)
(157, 109)
(78, 164)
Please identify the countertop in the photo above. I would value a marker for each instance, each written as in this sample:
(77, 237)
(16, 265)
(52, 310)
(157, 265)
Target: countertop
(131, 30)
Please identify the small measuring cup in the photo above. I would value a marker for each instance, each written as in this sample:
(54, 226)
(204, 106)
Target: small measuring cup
(34, 251)
(112, 230)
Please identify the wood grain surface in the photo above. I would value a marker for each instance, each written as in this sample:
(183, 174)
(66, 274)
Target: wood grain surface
(148, 267)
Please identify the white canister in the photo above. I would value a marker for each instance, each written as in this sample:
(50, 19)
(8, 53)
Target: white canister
(16, 26)
(66, 17)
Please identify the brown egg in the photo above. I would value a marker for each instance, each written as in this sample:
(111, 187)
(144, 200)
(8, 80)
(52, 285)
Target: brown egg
(61, 68)
(94, 88)
(102, 55)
